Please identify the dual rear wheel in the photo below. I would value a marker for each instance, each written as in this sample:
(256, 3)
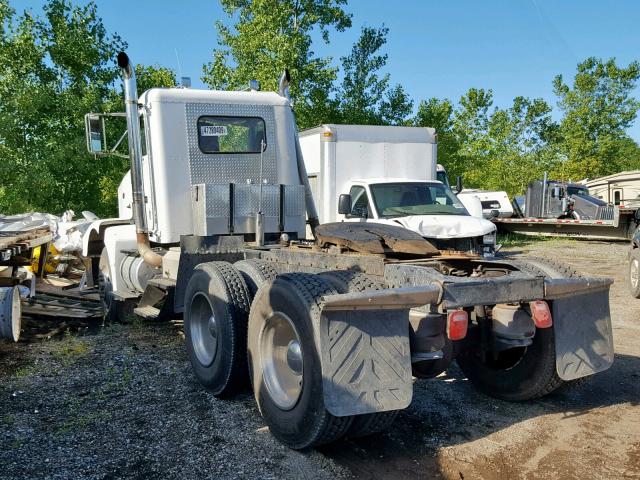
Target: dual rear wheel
(238, 332)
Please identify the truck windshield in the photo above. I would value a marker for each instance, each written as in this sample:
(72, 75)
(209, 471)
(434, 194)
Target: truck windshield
(402, 199)
(577, 191)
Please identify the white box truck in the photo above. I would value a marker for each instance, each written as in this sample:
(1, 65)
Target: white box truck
(388, 174)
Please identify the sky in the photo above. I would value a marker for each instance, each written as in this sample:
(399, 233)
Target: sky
(436, 48)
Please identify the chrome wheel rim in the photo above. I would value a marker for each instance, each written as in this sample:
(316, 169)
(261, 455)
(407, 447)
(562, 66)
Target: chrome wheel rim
(204, 329)
(281, 359)
(634, 273)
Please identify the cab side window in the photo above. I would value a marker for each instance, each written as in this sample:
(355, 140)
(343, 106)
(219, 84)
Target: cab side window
(359, 202)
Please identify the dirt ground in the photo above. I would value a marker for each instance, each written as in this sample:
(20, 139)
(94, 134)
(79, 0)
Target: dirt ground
(121, 402)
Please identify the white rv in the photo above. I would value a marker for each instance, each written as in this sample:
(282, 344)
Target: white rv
(387, 174)
(621, 189)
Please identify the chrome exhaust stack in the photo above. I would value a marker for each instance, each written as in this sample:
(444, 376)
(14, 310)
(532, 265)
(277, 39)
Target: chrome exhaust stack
(135, 156)
(312, 212)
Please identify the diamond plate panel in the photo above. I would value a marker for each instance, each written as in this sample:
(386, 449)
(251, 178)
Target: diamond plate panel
(294, 200)
(247, 200)
(223, 168)
(217, 201)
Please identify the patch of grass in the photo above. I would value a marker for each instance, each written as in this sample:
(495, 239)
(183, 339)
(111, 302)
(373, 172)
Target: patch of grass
(510, 240)
(25, 371)
(69, 350)
(83, 421)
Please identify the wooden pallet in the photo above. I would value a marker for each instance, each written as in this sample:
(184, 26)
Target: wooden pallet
(50, 305)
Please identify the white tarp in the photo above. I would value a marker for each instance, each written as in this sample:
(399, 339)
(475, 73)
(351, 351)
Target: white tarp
(67, 233)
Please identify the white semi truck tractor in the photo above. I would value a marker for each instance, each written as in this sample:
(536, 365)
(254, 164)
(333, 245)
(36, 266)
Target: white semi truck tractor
(388, 175)
(328, 331)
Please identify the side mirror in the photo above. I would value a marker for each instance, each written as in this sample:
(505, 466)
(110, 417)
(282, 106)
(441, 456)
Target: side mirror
(95, 126)
(636, 215)
(96, 133)
(495, 213)
(344, 204)
(458, 184)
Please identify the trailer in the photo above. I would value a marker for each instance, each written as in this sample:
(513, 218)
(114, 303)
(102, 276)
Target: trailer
(553, 208)
(328, 330)
(620, 189)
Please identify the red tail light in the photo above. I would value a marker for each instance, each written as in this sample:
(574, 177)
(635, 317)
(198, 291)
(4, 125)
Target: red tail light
(457, 322)
(541, 314)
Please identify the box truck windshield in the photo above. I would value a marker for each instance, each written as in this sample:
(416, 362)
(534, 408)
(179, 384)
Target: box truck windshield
(401, 199)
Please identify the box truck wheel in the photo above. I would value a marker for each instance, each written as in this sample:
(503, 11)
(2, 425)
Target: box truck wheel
(634, 273)
(255, 273)
(215, 324)
(520, 373)
(285, 362)
(345, 281)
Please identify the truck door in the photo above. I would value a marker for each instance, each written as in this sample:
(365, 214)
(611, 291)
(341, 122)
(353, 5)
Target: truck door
(360, 210)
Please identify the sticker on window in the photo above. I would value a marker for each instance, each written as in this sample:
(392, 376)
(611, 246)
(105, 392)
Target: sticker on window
(213, 130)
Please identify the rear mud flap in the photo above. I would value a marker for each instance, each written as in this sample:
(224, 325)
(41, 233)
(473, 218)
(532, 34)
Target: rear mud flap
(582, 326)
(365, 353)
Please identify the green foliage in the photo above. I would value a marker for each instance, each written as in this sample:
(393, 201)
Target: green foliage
(271, 35)
(56, 68)
(366, 97)
(492, 148)
(598, 108)
(53, 70)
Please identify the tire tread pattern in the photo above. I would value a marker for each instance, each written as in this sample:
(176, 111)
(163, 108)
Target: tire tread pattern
(238, 309)
(312, 288)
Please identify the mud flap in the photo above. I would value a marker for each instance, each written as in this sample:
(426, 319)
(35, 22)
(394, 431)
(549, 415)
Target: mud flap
(582, 325)
(365, 353)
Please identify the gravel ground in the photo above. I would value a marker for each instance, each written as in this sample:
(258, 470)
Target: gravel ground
(121, 402)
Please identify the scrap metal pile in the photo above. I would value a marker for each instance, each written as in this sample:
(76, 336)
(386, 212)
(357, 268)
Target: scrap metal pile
(41, 273)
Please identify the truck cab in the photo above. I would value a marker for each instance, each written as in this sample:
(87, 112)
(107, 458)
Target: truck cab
(390, 175)
(429, 208)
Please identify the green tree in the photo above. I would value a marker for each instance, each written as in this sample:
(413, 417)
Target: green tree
(438, 114)
(52, 70)
(365, 96)
(598, 108)
(271, 35)
(490, 147)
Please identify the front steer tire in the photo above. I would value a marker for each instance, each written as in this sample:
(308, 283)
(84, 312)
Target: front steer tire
(217, 348)
(292, 406)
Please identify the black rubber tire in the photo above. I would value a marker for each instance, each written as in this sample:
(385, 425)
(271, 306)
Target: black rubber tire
(532, 377)
(308, 423)
(634, 257)
(345, 281)
(228, 296)
(113, 311)
(255, 273)
(535, 374)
